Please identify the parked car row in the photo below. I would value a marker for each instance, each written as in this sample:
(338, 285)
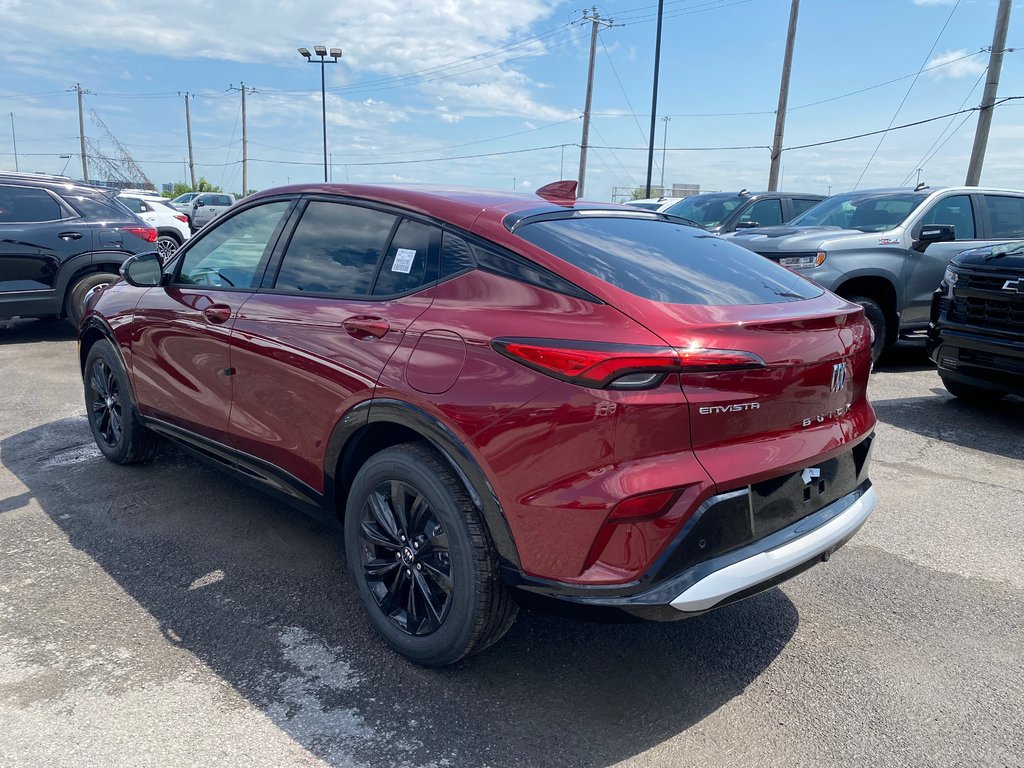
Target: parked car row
(201, 208)
(725, 212)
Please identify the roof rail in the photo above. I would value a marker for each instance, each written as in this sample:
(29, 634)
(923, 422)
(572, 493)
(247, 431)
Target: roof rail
(30, 175)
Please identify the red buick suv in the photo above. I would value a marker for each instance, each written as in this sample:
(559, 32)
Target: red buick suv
(500, 395)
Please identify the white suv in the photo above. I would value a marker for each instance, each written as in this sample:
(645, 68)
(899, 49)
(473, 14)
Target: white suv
(171, 225)
(207, 206)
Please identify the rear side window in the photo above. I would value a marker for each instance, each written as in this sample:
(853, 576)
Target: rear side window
(220, 200)
(456, 255)
(28, 205)
(335, 250)
(407, 264)
(1005, 216)
(667, 262)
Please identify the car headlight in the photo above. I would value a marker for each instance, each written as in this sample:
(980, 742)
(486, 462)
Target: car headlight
(803, 262)
(950, 277)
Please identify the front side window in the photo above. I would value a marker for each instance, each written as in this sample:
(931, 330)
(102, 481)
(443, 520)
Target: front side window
(955, 211)
(802, 204)
(24, 205)
(231, 254)
(1005, 216)
(667, 262)
(335, 250)
(133, 204)
(767, 213)
(706, 210)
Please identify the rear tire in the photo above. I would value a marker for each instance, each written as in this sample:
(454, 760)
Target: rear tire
(74, 300)
(421, 558)
(166, 246)
(971, 393)
(876, 316)
(115, 425)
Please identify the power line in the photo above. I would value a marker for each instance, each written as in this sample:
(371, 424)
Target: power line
(907, 94)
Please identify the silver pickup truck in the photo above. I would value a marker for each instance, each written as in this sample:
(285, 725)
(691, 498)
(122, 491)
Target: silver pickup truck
(888, 249)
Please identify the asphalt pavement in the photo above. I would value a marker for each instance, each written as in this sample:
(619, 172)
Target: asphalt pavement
(168, 615)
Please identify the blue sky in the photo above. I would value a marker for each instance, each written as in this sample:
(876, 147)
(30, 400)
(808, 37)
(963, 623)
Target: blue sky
(519, 86)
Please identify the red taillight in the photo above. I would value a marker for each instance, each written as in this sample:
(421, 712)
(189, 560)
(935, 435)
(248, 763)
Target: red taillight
(181, 217)
(143, 233)
(619, 366)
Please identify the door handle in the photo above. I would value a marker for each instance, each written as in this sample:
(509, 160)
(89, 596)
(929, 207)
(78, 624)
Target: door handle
(366, 328)
(217, 313)
(70, 235)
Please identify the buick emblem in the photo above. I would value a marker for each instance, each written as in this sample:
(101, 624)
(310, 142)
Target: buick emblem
(838, 377)
(1014, 285)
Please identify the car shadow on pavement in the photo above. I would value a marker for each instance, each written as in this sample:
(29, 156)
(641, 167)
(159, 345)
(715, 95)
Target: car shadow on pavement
(259, 594)
(18, 331)
(904, 356)
(993, 427)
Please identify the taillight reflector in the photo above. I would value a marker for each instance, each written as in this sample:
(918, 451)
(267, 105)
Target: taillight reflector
(143, 233)
(619, 366)
(642, 507)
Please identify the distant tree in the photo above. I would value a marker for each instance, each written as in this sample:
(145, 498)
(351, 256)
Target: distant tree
(180, 188)
(638, 193)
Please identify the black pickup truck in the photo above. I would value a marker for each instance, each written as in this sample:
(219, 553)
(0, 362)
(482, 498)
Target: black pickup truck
(976, 333)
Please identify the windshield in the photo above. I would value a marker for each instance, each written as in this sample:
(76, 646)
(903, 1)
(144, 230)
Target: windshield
(706, 210)
(866, 212)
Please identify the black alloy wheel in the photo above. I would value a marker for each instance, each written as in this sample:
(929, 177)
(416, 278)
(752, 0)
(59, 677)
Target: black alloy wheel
(405, 558)
(421, 558)
(105, 403)
(115, 426)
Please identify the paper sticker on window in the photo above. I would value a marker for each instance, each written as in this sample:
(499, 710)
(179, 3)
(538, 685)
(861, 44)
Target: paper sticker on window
(403, 260)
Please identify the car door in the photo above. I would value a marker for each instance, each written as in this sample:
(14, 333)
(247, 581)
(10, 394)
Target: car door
(180, 354)
(923, 271)
(313, 342)
(201, 210)
(38, 233)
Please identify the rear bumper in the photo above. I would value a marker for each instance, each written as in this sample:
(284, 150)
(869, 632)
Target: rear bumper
(742, 572)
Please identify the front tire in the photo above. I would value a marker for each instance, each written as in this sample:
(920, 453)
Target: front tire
(971, 393)
(116, 428)
(876, 316)
(421, 558)
(74, 301)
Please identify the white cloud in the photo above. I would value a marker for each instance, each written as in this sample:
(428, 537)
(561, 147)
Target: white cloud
(953, 64)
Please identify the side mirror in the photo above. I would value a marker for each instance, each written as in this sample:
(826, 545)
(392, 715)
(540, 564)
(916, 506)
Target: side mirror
(934, 233)
(747, 224)
(198, 203)
(143, 270)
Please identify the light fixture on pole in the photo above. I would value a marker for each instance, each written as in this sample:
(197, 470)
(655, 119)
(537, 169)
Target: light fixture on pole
(14, 138)
(335, 54)
(664, 144)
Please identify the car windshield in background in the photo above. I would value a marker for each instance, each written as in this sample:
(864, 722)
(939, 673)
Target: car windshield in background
(866, 212)
(706, 210)
(667, 262)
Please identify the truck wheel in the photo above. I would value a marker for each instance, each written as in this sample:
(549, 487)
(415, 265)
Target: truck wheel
(74, 300)
(422, 559)
(873, 312)
(971, 393)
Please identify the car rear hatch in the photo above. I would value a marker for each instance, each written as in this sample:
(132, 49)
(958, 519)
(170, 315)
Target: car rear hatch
(774, 368)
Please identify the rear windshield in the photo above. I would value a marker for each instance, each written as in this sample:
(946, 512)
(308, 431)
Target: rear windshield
(667, 262)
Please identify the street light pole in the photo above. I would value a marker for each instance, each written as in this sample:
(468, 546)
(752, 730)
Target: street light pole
(335, 54)
(14, 138)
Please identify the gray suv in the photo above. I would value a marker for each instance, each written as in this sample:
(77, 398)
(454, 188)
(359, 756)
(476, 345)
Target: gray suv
(888, 249)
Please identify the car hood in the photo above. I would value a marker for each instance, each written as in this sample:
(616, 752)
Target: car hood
(1005, 257)
(766, 240)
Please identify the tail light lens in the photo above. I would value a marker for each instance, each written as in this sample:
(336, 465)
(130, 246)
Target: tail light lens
(619, 366)
(143, 233)
(181, 217)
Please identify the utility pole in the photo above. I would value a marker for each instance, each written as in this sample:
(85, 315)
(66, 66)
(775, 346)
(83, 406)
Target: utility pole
(245, 141)
(81, 135)
(995, 65)
(595, 23)
(654, 97)
(14, 138)
(780, 113)
(188, 128)
(664, 143)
